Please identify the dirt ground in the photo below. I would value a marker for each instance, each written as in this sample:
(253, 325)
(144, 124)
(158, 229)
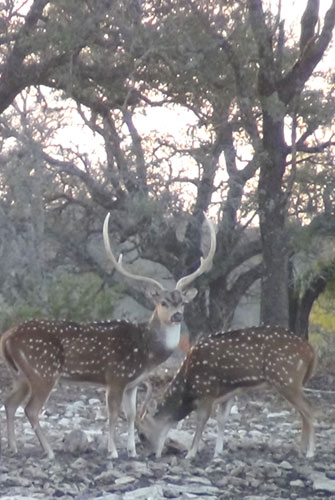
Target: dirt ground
(260, 461)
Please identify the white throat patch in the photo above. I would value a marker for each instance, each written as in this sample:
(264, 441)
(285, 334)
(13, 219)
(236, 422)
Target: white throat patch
(172, 336)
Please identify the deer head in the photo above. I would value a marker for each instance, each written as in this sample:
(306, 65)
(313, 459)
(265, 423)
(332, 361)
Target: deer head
(169, 305)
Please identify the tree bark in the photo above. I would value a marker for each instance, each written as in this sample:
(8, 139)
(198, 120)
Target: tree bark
(301, 305)
(271, 198)
(274, 98)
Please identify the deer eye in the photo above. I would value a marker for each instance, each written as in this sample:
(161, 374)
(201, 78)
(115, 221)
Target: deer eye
(164, 303)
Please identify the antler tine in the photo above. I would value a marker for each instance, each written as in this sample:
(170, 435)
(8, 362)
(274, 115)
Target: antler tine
(205, 263)
(118, 264)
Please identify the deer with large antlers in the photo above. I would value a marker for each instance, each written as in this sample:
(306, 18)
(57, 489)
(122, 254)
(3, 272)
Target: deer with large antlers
(220, 366)
(116, 354)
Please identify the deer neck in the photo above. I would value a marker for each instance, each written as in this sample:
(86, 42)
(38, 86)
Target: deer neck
(177, 403)
(162, 339)
(179, 399)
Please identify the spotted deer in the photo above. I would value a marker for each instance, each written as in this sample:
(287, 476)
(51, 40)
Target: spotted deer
(116, 354)
(225, 363)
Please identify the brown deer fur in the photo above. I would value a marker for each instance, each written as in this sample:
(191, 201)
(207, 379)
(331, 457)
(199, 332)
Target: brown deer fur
(223, 364)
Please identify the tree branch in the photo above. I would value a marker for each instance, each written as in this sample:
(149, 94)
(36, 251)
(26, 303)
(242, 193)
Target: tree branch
(266, 77)
(308, 22)
(103, 197)
(312, 54)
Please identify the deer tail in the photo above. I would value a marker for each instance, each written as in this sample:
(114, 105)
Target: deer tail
(311, 368)
(5, 350)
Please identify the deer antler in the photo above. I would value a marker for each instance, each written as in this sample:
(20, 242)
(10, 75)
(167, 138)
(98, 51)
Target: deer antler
(205, 263)
(118, 264)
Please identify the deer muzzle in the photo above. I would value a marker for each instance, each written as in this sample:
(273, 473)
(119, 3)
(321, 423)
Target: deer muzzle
(176, 317)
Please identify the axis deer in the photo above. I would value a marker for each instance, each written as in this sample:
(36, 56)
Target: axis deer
(116, 354)
(218, 367)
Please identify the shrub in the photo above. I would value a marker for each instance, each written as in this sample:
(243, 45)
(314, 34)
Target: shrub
(79, 297)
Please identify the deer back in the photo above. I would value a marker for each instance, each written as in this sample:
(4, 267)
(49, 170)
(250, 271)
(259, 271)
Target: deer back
(94, 352)
(248, 357)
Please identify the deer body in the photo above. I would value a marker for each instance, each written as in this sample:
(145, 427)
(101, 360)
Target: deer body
(223, 364)
(117, 354)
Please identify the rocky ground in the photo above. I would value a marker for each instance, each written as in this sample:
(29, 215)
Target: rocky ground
(260, 459)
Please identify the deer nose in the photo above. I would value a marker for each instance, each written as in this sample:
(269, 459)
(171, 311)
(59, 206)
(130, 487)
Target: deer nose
(176, 317)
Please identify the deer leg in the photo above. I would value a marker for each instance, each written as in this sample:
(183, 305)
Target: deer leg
(147, 399)
(298, 400)
(203, 415)
(129, 407)
(222, 416)
(40, 390)
(113, 400)
(307, 434)
(15, 399)
(161, 440)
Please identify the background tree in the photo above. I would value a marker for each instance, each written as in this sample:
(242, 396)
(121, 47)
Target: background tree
(236, 79)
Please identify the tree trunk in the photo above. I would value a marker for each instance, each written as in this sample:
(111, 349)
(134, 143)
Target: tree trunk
(300, 307)
(272, 212)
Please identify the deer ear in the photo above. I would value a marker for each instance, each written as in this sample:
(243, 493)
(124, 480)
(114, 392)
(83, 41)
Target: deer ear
(152, 407)
(153, 294)
(189, 295)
